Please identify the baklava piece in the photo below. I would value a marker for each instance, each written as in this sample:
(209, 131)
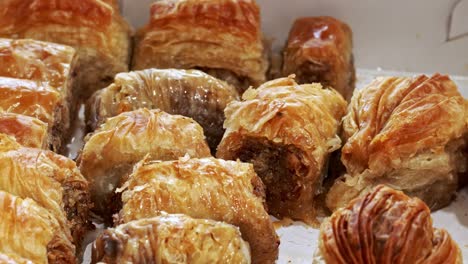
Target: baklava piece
(94, 28)
(287, 131)
(30, 233)
(408, 133)
(384, 226)
(221, 37)
(111, 151)
(51, 180)
(52, 67)
(171, 239)
(189, 93)
(207, 188)
(319, 49)
(27, 131)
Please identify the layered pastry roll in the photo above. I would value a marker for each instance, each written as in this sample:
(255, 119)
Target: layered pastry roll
(408, 133)
(319, 49)
(171, 238)
(37, 100)
(27, 131)
(384, 226)
(93, 27)
(205, 188)
(111, 151)
(287, 131)
(189, 93)
(220, 37)
(51, 180)
(29, 232)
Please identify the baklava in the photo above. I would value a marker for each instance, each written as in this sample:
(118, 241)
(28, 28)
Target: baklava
(221, 37)
(51, 67)
(170, 238)
(384, 226)
(189, 93)
(319, 49)
(51, 180)
(111, 151)
(287, 131)
(405, 132)
(94, 28)
(27, 131)
(208, 188)
(30, 233)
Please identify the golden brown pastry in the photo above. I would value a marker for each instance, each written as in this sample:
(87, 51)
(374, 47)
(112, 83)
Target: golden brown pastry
(385, 226)
(28, 231)
(206, 188)
(51, 180)
(189, 93)
(319, 49)
(28, 131)
(112, 150)
(94, 27)
(407, 133)
(171, 239)
(37, 100)
(49, 65)
(221, 37)
(286, 131)
(13, 259)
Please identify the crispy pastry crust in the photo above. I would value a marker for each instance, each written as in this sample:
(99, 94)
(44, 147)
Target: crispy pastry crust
(94, 27)
(208, 34)
(287, 131)
(27, 131)
(189, 93)
(171, 239)
(319, 49)
(408, 133)
(112, 150)
(385, 226)
(51, 180)
(29, 231)
(207, 188)
(49, 65)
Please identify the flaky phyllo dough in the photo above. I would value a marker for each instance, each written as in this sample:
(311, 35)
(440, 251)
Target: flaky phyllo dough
(384, 226)
(207, 188)
(408, 133)
(51, 180)
(287, 131)
(111, 151)
(172, 238)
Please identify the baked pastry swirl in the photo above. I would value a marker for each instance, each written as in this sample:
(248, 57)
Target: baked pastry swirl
(27, 131)
(207, 188)
(220, 37)
(384, 226)
(189, 93)
(171, 238)
(319, 49)
(287, 131)
(408, 133)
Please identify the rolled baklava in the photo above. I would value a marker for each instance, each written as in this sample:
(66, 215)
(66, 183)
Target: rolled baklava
(171, 238)
(384, 226)
(287, 131)
(111, 151)
(408, 133)
(189, 93)
(94, 28)
(52, 67)
(206, 188)
(51, 180)
(319, 49)
(27, 131)
(221, 37)
(29, 232)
